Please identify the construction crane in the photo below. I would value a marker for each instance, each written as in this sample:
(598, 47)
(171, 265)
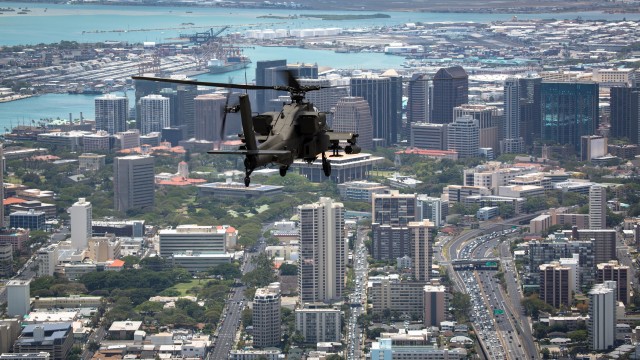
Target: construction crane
(205, 36)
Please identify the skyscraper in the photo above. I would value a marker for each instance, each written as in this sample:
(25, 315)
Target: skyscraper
(555, 284)
(530, 109)
(450, 89)
(266, 316)
(614, 271)
(569, 111)
(133, 182)
(434, 304)
(186, 106)
(112, 113)
(384, 95)
(81, 215)
(597, 207)
(487, 117)
(421, 249)
(512, 142)
(601, 325)
(391, 214)
(323, 253)
(419, 102)
(463, 136)
(352, 114)
(624, 113)
(1, 183)
(261, 79)
(209, 115)
(154, 114)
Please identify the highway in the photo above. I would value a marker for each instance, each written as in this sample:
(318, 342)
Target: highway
(502, 336)
(358, 299)
(232, 313)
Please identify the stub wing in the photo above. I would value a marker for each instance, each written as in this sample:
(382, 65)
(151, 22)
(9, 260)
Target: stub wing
(342, 136)
(251, 152)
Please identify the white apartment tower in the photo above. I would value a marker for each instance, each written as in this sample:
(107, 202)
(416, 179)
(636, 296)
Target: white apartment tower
(511, 140)
(464, 136)
(266, 316)
(154, 113)
(18, 297)
(597, 207)
(322, 258)
(112, 112)
(601, 325)
(352, 114)
(80, 214)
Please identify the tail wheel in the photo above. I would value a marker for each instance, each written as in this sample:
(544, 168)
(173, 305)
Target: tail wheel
(283, 170)
(247, 181)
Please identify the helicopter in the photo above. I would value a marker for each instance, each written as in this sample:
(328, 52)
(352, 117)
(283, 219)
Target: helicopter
(298, 131)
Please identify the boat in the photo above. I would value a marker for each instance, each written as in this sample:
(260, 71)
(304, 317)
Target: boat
(230, 63)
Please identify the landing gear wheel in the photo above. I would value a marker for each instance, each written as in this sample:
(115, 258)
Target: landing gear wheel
(283, 170)
(326, 167)
(247, 181)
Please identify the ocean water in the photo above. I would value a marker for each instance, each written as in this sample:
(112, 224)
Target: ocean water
(48, 23)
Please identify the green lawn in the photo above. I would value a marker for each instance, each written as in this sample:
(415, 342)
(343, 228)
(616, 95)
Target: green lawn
(184, 287)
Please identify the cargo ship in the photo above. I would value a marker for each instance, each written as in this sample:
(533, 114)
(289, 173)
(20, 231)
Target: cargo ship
(230, 63)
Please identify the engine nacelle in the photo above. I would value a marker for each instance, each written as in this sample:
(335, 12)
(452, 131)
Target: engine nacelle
(352, 149)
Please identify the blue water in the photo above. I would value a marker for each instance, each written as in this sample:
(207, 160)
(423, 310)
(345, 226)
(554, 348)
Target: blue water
(75, 22)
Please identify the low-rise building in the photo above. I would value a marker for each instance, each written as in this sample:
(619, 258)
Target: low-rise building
(54, 338)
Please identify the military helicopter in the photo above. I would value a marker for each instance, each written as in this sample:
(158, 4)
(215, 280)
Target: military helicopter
(298, 131)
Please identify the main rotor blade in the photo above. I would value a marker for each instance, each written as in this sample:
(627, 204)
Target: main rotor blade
(204, 83)
(292, 82)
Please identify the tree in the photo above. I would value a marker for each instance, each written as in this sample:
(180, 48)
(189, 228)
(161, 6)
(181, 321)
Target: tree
(226, 271)
(288, 269)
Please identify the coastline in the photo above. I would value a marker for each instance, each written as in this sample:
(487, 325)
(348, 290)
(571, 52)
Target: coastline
(10, 98)
(445, 6)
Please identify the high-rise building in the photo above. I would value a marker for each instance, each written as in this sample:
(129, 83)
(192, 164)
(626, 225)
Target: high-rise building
(261, 79)
(80, 213)
(394, 208)
(187, 109)
(210, 110)
(597, 207)
(429, 136)
(266, 316)
(384, 95)
(352, 114)
(604, 242)
(487, 117)
(463, 136)
(18, 297)
(277, 75)
(530, 109)
(450, 89)
(624, 113)
(1, 183)
(319, 324)
(133, 182)
(569, 111)
(421, 249)
(614, 271)
(391, 213)
(323, 254)
(433, 209)
(419, 102)
(198, 239)
(555, 284)
(434, 304)
(6, 260)
(326, 98)
(512, 142)
(155, 114)
(112, 112)
(601, 326)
